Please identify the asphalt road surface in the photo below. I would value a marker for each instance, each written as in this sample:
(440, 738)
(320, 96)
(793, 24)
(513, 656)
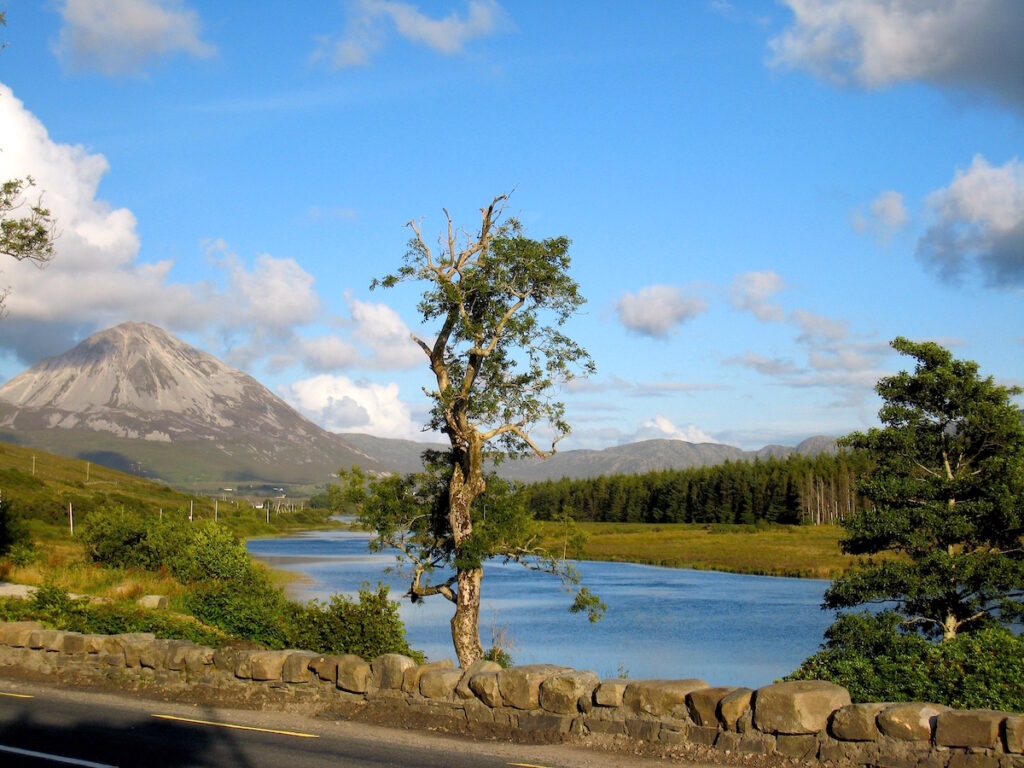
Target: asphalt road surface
(42, 725)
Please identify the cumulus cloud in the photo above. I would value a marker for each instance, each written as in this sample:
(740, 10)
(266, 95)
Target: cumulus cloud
(966, 44)
(886, 215)
(661, 428)
(657, 309)
(340, 404)
(371, 21)
(753, 291)
(97, 277)
(377, 338)
(117, 37)
(978, 225)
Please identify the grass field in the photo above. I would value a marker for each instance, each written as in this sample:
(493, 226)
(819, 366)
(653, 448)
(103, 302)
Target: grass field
(804, 551)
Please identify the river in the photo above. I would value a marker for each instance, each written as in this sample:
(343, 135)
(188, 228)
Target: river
(671, 623)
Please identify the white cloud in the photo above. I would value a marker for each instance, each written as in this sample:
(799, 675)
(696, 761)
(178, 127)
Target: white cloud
(328, 353)
(118, 36)
(661, 428)
(887, 215)
(972, 44)
(657, 309)
(370, 21)
(385, 335)
(752, 291)
(97, 278)
(767, 366)
(342, 405)
(979, 224)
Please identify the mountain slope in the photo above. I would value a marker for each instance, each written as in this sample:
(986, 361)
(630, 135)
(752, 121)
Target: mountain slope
(135, 394)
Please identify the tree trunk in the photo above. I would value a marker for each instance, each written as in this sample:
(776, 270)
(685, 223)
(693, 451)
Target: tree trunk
(466, 621)
(464, 488)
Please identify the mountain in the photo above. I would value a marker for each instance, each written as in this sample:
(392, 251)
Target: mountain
(136, 398)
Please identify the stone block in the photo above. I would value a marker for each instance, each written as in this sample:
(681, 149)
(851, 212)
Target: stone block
(243, 664)
(564, 692)
(546, 724)
(45, 639)
(802, 746)
(15, 634)
(970, 760)
(477, 711)
(642, 730)
(734, 706)
(389, 669)
(911, 721)
(268, 665)
(485, 686)
(477, 667)
(325, 667)
(857, 722)
(296, 667)
(659, 697)
(1013, 730)
(608, 727)
(74, 644)
(440, 682)
(411, 676)
(198, 660)
(153, 655)
(134, 644)
(176, 653)
(353, 674)
(153, 602)
(755, 743)
(673, 736)
(970, 728)
(520, 686)
(857, 752)
(797, 706)
(703, 704)
(727, 741)
(706, 735)
(610, 692)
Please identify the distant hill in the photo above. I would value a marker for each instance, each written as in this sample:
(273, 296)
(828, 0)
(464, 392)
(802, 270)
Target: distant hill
(137, 399)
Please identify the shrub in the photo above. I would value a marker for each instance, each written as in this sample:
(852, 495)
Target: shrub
(878, 659)
(13, 531)
(251, 608)
(367, 627)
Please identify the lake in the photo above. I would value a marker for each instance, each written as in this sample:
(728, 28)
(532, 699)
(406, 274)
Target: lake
(671, 623)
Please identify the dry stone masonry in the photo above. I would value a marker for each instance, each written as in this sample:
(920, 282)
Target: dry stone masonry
(803, 721)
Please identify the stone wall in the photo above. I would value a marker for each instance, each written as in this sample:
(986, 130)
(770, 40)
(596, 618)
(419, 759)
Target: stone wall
(802, 720)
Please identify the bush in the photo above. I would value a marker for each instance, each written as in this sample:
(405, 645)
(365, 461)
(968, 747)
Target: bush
(191, 552)
(13, 531)
(251, 608)
(53, 607)
(878, 659)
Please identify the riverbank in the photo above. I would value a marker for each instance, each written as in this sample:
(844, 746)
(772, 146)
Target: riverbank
(805, 551)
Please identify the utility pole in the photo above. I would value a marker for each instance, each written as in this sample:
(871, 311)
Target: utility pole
(71, 518)
(33, 465)
(190, 510)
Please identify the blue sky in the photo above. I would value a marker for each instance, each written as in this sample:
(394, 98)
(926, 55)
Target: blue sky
(760, 195)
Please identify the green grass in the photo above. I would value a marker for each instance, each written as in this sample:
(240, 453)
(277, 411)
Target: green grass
(778, 550)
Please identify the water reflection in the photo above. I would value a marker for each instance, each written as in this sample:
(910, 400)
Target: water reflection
(661, 622)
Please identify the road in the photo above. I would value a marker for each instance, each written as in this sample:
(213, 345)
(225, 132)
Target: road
(42, 725)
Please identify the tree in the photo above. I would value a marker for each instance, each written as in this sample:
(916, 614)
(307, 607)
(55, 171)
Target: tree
(946, 499)
(500, 300)
(28, 237)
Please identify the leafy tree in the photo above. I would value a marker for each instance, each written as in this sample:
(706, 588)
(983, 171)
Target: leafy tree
(499, 300)
(946, 497)
(28, 237)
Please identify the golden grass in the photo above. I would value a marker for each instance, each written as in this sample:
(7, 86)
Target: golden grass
(805, 551)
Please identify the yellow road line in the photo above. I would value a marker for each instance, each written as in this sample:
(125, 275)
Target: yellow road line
(527, 765)
(17, 695)
(233, 726)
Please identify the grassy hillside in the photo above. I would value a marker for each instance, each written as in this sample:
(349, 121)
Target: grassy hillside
(40, 486)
